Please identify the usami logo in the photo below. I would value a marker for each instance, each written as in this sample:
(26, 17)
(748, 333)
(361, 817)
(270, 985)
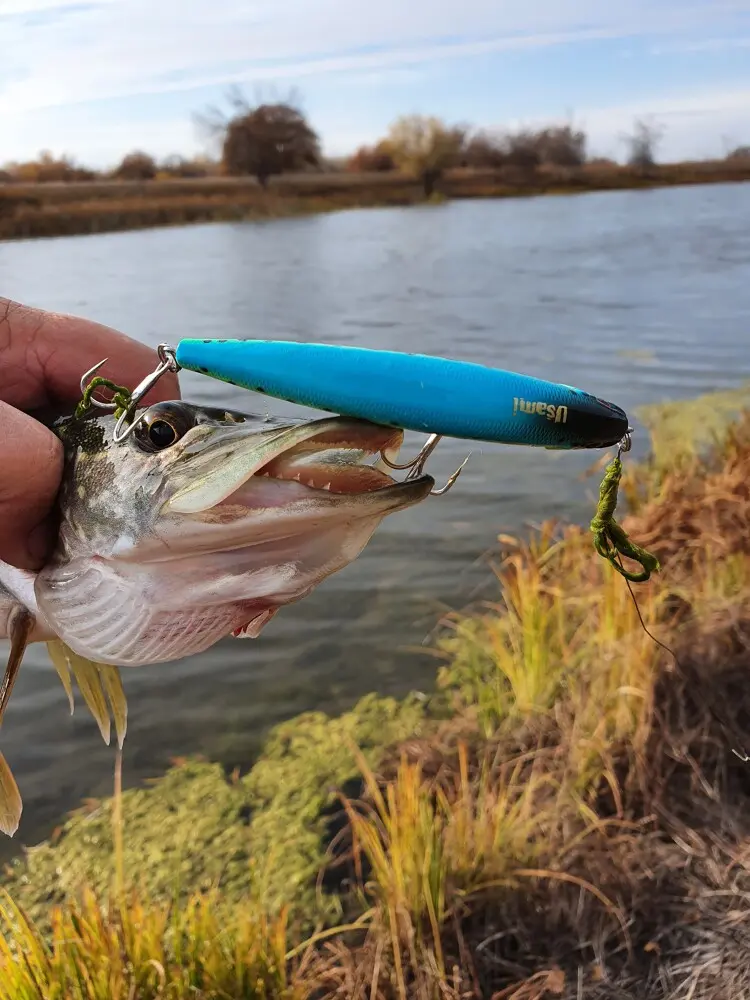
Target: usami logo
(557, 413)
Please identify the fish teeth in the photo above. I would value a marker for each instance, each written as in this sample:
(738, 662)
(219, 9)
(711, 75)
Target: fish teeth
(327, 487)
(297, 478)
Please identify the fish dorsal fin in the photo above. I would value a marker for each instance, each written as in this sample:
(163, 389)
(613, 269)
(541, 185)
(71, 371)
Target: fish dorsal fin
(100, 685)
(11, 805)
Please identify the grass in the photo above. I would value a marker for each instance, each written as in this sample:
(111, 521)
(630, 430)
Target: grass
(147, 951)
(567, 820)
(42, 210)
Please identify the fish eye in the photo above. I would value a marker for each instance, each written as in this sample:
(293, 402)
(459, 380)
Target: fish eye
(161, 426)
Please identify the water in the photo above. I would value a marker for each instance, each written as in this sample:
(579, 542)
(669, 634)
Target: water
(636, 296)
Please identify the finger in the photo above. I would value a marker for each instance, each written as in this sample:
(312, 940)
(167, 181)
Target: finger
(31, 460)
(45, 354)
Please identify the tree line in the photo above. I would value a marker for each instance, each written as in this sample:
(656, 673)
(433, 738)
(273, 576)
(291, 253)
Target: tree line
(267, 138)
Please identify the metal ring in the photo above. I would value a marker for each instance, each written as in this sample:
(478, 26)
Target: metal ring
(626, 443)
(168, 356)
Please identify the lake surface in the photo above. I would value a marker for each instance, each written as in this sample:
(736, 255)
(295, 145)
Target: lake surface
(635, 296)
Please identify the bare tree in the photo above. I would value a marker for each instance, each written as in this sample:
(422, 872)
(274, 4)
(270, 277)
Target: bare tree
(424, 147)
(523, 151)
(484, 149)
(562, 146)
(527, 149)
(643, 143)
(262, 139)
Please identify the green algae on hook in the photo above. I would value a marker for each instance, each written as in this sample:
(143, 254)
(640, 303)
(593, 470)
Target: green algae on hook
(610, 539)
(121, 396)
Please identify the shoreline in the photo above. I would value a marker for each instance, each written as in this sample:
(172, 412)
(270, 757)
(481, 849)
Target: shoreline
(197, 828)
(33, 211)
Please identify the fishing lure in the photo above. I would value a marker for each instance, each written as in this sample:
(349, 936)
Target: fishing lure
(442, 397)
(413, 392)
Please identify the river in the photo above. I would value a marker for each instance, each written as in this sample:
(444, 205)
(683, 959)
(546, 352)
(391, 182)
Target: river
(635, 296)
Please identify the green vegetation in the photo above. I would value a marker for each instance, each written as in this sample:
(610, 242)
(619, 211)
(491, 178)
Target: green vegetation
(564, 817)
(197, 829)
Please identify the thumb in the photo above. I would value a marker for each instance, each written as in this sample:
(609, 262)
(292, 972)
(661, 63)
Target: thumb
(31, 462)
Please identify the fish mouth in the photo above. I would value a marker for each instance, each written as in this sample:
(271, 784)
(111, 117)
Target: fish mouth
(329, 460)
(336, 461)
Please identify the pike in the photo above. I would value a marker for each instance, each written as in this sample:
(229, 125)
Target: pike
(203, 523)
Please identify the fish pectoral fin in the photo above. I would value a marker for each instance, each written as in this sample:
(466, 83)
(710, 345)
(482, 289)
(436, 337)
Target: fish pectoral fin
(252, 628)
(11, 805)
(20, 626)
(99, 683)
(112, 683)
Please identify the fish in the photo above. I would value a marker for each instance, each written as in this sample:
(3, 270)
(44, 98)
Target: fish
(203, 523)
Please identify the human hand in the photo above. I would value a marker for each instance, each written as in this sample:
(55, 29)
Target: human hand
(42, 358)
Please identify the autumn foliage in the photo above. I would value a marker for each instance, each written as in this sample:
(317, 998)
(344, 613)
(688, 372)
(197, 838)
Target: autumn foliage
(262, 139)
(424, 147)
(136, 166)
(47, 169)
(371, 159)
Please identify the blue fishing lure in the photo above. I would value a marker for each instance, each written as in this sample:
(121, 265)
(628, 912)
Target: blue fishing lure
(413, 392)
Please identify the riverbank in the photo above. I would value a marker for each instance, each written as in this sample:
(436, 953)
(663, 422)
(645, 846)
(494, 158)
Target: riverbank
(44, 210)
(563, 815)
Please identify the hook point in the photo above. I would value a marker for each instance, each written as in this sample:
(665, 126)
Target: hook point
(452, 479)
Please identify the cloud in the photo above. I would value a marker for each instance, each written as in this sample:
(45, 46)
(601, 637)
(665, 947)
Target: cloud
(33, 93)
(64, 60)
(120, 48)
(701, 45)
(15, 8)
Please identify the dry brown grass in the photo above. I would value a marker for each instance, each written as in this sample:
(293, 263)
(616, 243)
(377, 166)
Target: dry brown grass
(57, 209)
(579, 828)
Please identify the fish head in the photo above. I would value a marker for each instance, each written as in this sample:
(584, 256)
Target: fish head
(203, 522)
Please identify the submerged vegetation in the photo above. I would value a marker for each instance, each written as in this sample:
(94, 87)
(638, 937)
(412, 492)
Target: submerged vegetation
(563, 817)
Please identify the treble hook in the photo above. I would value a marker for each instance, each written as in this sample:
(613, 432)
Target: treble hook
(427, 450)
(103, 405)
(416, 465)
(167, 363)
(451, 479)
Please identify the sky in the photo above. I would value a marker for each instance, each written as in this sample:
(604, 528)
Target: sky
(98, 79)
